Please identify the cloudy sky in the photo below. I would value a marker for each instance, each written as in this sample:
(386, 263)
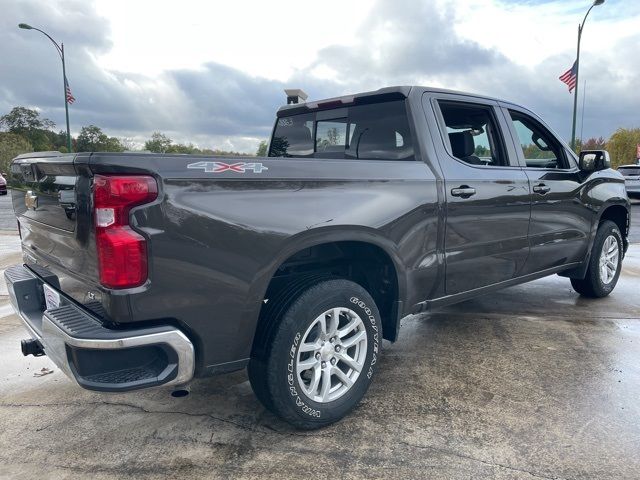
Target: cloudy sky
(213, 73)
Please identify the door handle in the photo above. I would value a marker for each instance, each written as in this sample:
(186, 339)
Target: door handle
(464, 191)
(541, 189)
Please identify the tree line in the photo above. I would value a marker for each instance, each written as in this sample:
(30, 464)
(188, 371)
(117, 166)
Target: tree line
(160, 143)
(621, 147)
(24, 130)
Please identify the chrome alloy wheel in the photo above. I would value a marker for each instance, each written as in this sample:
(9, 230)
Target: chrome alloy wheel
(331, 355)
(609, 259)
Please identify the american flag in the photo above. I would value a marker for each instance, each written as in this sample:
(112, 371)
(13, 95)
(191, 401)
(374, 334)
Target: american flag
(67, 89)
(570, 76)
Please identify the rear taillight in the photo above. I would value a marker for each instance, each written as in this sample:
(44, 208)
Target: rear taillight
(122, 253)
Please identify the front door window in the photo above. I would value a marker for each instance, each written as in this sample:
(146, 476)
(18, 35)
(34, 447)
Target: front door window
(539, 147)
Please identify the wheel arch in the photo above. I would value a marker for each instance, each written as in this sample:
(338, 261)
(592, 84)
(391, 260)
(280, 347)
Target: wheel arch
(329, 239)
(620, 214)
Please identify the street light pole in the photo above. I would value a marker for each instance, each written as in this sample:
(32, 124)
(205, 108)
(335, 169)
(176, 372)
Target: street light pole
(60, 49)
(575, 93)
(66, 101)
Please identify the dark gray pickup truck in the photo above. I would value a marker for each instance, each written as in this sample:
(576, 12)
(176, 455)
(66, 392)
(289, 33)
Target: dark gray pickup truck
(143, 270)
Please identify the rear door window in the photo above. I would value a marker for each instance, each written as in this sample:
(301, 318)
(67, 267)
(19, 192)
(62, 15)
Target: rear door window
(473, 134)
(378, 131)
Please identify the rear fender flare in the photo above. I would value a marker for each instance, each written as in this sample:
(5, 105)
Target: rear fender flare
(313, 238)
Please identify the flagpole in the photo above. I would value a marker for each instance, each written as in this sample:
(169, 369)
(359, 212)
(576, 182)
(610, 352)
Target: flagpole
(66, 102)
(60, 49)
(584, 98)
(575, 92)
(575, 95)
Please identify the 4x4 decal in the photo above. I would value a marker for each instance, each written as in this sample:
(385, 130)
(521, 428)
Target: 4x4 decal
(218, 167)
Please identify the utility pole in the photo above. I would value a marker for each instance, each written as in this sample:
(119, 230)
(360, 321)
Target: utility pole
(60, 49)
(575, 93)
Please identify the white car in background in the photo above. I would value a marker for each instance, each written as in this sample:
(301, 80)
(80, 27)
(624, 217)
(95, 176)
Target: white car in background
(631, 175)
(3, 185)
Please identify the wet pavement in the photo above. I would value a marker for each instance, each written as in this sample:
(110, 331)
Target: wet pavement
(532, 382)
(634, 233)
(7, 218)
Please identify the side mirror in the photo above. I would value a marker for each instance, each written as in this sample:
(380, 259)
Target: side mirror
(592, 160)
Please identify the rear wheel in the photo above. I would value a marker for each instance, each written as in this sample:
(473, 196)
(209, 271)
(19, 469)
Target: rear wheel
(320, 356)
(604, 265)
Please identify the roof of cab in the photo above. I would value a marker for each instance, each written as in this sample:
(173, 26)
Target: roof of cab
(387, 93)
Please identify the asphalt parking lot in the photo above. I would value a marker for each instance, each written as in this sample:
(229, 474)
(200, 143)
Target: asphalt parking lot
(7, 219)
(532, 382)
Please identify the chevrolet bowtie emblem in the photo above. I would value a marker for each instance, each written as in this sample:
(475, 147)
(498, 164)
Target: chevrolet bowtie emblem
(31, 200)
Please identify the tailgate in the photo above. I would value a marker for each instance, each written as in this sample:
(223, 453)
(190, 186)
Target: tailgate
(51, 196)
(44, 190)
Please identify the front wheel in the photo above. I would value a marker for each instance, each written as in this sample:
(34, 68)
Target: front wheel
(321, 354)
(605, 263)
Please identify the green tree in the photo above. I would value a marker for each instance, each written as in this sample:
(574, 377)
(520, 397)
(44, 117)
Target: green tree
(92, 139)
(59, 140)
(279, 147)
(481, 151)
(622, 146)
(22, 120)
(262, 149)
(533, 151)
(112, 144)
(28, 123)
(182, 148)
(159, 143)
(12, 145)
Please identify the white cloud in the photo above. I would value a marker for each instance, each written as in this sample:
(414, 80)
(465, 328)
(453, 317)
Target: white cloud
(212, 73)
(267, 39)
(528, 33)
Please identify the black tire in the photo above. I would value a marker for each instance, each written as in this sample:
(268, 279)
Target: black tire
(592, 285)
(272, 371)
(273, 312)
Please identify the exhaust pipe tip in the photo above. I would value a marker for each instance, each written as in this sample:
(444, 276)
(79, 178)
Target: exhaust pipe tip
(31, 347)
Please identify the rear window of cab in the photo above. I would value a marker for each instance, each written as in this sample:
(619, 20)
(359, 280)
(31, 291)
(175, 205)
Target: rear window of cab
(378, 131)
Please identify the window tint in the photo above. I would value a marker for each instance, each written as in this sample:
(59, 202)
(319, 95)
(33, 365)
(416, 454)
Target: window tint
(293, 137)
(331, 136)
(379, 131)
(473, 134)
(540, 148)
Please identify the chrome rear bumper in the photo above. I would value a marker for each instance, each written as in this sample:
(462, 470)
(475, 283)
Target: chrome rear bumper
(99, 358)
